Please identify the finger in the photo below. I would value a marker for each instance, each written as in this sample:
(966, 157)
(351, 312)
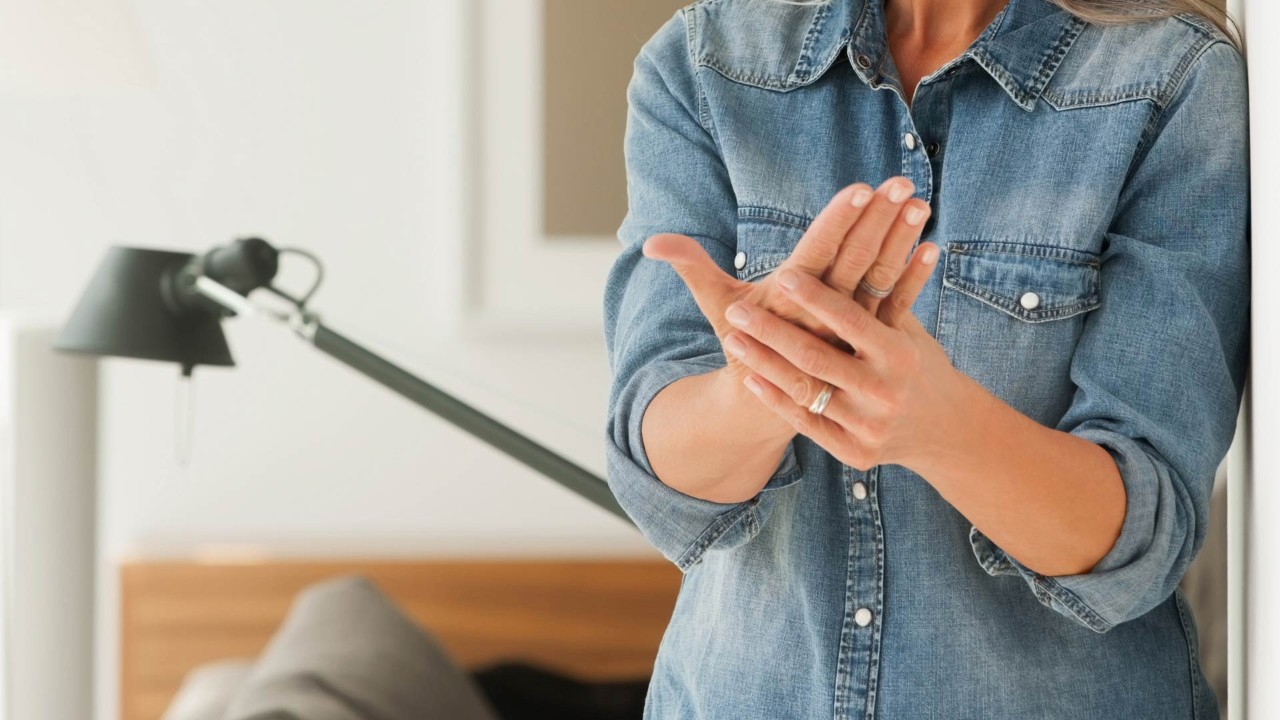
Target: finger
(821, 429)
(862, 244)
(820, 243)
(802, 387)
(712, 288)
(847, 319)
(892, 262)
(897, 307)
(802, 349)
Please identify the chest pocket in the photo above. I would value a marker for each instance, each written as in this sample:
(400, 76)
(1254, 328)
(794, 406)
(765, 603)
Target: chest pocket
(1010, 315)
(766, 237)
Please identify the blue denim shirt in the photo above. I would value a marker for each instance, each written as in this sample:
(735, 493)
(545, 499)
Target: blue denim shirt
(1103, 169)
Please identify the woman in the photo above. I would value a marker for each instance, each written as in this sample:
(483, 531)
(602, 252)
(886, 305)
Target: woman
(963, 489)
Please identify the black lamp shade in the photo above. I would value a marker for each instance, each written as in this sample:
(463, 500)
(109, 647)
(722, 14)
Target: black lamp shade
(125, 313)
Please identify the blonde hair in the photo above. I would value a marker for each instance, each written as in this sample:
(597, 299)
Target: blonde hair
(1121, 12)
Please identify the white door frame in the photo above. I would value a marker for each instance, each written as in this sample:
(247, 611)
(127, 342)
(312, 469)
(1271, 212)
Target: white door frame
(1254, 515)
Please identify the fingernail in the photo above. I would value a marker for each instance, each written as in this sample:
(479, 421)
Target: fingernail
(788, 279)
(861, 197)
(752, 385)
(737, 315)
(930, 255)
(900, 191)
(913, 215)
(735, 346)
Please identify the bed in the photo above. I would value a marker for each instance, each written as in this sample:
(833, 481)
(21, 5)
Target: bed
(594, 619)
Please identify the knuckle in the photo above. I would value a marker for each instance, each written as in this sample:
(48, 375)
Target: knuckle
(853, 322)
(838, 214)
(812, 359)
(881, 275)
(801, 391)
(882, 392)
(858, 255)
(883, 212)
(822, 238)
(900, 302)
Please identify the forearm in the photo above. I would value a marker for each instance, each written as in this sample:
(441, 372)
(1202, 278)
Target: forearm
(706, 436)
(1052, 500)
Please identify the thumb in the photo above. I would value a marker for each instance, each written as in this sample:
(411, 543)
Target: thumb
(713, 289)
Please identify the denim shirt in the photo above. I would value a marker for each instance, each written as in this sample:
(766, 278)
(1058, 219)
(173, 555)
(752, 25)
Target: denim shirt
(1089, 188)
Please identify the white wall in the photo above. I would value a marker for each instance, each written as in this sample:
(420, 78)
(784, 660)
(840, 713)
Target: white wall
(330, 125)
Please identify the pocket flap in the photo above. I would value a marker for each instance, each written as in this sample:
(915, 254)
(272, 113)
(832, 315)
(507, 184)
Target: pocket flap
(1034, 283)
(766, 237)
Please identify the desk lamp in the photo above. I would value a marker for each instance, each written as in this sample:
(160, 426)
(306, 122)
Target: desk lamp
(169, 306)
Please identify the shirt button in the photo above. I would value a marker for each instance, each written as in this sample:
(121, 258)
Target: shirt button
(859, 491)
(1030, 301)
(864, 61)
(910, 140)
(740, 260)
(862, 617)
(931, 149)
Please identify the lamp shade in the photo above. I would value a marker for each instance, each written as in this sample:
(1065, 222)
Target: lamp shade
(125, 313)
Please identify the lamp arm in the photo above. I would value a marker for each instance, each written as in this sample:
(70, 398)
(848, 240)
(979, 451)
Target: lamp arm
(422, 393)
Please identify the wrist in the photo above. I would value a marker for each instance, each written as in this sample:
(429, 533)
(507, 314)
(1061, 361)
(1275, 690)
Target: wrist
(950, 418)
(769, 427)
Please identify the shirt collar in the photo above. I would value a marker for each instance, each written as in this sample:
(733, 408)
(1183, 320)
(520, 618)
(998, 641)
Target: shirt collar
(1021, 48)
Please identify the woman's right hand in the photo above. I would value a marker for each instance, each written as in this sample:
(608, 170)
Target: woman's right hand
(861, 233)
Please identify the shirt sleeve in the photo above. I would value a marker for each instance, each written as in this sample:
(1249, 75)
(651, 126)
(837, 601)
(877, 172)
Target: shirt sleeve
(654, 332)
(1159, 370)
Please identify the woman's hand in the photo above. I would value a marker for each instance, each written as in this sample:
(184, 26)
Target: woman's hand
(887, 401)
(860, 233)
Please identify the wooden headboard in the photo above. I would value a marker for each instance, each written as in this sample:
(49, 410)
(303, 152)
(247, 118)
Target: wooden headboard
(594, 619)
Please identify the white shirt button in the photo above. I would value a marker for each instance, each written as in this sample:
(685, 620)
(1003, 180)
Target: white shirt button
(740, 260)
(859, 491)
(910, 140)
(1030, 301)
(862, 617)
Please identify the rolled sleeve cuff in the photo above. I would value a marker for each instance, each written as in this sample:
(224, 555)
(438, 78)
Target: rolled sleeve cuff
(682, 527)
(1127, 581)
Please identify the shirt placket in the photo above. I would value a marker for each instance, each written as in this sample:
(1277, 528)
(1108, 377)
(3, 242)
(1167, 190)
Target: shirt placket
(859, 660)
(924, 154)
(921, 141)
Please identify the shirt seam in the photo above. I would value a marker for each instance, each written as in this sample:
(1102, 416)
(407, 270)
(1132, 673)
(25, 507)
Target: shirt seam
(1193, 650)
(1161, 104)
(704, 107)
(717, 530)
(802, 74)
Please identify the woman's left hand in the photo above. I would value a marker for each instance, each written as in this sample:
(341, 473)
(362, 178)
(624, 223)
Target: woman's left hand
(892, 400)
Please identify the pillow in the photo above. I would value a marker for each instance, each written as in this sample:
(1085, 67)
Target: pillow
(206, 691)
(346, 653)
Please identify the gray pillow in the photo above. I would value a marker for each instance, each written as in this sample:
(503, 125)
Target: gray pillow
(346, 653)
(207, 690)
